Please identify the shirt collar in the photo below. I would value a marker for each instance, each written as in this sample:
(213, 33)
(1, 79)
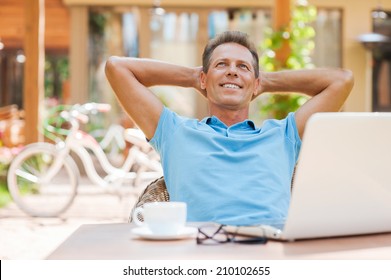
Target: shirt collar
(215, 121)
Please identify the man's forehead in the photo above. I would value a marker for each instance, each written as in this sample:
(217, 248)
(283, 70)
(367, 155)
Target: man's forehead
(232, 51)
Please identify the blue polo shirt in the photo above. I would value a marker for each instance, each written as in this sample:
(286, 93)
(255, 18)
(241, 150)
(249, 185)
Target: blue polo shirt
(237, 175)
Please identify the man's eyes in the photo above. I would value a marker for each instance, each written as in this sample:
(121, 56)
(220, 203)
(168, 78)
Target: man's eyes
(241, 65)
(244, 66)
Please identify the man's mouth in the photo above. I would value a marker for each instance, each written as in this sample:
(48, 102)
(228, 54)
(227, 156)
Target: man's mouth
(233, 86)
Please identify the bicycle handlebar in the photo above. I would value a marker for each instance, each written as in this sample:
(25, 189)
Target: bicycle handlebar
(74, 114)
(62, 113)
(100, 107)
(80, 111)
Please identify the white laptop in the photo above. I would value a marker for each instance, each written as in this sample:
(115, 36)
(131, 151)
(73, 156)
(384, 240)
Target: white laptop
(342, 183)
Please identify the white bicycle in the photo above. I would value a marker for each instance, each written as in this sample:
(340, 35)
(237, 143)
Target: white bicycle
(111, 139)
(43, 178)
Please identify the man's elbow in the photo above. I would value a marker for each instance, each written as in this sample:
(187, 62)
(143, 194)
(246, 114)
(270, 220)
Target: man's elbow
(347, 78)
(112, 63)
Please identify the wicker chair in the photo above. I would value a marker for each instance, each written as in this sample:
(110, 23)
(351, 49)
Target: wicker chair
(155, 191)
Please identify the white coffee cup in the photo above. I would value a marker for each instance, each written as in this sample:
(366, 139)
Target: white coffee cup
(162, 218)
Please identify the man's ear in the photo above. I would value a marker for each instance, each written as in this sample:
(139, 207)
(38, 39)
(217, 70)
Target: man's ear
(256, 87)
(203, 80)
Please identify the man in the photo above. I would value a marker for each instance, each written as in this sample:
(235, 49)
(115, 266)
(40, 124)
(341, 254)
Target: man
(225, 169)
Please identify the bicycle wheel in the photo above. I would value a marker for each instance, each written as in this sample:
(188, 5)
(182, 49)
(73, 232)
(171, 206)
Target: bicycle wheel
(30, 193)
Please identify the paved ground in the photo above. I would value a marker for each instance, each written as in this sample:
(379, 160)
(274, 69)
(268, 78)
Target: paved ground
(23, 237)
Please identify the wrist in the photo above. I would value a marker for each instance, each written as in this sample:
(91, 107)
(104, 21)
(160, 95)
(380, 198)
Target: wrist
(196, 82)
(264, 83)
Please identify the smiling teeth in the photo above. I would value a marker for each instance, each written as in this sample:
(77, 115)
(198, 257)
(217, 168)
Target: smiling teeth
(230, 86)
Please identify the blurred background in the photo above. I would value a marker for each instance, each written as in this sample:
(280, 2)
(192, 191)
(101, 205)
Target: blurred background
(53, 52)
(68, 42)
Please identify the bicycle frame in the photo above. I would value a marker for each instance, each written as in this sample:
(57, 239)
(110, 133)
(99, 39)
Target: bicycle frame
(79, 145)
(113, 134)
(43, 178)
(80, 142)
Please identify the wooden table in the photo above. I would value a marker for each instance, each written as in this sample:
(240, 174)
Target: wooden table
(115, 241)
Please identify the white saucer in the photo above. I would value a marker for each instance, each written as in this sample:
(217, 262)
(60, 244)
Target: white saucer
(144, 232)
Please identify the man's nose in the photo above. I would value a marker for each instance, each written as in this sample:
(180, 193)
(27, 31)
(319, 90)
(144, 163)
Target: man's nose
(232, 70)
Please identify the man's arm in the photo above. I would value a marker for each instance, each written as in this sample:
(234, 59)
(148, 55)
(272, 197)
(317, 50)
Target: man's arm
(130, 79)
(329, 89)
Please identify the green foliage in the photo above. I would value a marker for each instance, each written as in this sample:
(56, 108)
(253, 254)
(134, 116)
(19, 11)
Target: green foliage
(5, 159)
(97, 23)
(278, 106)
(56, 72)
(5, 197)
(55, 127)
(3, 169)
(299, 35)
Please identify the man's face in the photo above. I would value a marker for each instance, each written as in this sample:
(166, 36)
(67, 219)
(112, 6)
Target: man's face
(230, 82)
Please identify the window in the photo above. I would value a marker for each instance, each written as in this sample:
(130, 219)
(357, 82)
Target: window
(328, 45)
(174, 39)
(381, 69)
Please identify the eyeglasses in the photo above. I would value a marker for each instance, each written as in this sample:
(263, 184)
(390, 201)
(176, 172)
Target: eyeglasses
(212, 235)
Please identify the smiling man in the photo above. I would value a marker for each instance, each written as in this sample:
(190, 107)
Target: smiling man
(225, 168)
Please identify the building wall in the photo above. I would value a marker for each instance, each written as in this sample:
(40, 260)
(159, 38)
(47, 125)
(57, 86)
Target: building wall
(12, 24)
(356, 21)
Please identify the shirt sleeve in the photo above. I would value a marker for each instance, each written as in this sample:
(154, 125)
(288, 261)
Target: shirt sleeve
(165, 128)
(292, 133)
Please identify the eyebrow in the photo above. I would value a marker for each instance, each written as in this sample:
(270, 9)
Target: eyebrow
(237, 61)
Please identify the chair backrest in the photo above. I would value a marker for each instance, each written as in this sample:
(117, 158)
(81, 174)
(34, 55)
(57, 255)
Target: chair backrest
(155, 191)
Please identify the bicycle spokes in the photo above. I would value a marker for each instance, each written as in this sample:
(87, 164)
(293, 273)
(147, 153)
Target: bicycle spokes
(28, 184)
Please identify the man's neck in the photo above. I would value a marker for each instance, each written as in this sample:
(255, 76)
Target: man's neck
(230, 117)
